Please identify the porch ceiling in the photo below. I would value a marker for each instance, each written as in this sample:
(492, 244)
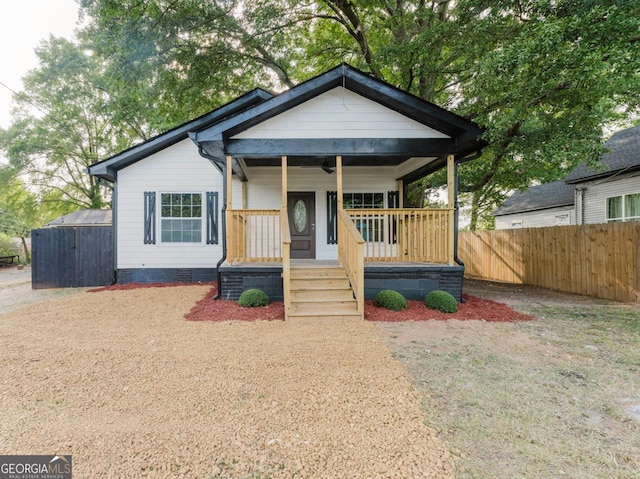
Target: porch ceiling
(310, 161)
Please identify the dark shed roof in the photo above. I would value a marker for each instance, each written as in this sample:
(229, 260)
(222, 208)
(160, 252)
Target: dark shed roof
(623, 153)
(83, 218)
(540, 197)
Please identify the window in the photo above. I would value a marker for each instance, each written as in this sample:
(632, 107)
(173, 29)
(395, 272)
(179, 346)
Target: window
(516, 224)
(181, 217)
(372, 229)
(623, 208)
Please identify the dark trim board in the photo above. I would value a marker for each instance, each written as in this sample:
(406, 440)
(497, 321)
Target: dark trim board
(165, 275)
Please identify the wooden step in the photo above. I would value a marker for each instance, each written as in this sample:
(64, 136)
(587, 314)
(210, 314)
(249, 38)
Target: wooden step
(337, 294)
(319, 283)
(319, 317)
(317, 273)
(315, 307)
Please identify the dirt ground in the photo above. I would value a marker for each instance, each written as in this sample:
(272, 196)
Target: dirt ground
(122, 382)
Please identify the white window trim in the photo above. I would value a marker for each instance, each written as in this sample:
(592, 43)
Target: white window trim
(624, 216)
(517, 224)
(565, 219)
(203, 219)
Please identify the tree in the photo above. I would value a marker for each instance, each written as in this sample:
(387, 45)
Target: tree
(63, 122)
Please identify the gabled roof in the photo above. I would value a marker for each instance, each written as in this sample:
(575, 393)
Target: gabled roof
(83, 218)
(106, 168)
(623, 154)
(464, 134)
(540, 197)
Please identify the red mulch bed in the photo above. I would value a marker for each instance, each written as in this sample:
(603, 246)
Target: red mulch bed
(223, 310)
(473, 308)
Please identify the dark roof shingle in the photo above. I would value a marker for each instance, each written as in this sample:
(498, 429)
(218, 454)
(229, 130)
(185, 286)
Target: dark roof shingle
(548, 195)
(623, 153)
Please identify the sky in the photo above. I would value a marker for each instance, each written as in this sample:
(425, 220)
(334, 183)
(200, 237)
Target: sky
(23, 24)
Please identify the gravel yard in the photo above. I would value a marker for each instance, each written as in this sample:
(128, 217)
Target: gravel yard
(122, 382)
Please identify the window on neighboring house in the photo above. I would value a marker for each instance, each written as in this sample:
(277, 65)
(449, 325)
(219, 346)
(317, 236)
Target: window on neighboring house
(516, 224)
(563, 220)
(623, 208)
(181, 217)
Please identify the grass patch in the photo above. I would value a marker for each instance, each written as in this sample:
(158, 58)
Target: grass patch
(543, 399)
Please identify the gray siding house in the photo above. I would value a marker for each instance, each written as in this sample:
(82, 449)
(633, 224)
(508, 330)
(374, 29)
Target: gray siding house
(610, 193)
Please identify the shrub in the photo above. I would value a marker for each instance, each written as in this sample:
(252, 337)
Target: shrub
(442, 301)
(252, 298)
(390, 299)
(7, 245)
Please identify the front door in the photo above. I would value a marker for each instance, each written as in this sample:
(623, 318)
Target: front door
(302, 224)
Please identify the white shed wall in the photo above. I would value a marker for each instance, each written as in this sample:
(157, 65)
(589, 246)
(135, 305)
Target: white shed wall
(340, 113)
(535, 219)
(177, 169)
(597, 192)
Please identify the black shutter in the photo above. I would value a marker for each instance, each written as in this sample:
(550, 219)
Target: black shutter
(149, 217)
(212, 217)
(393, 202)
(332, 217)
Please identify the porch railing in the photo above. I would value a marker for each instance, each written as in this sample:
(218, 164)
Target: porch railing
(254, 235)
(405, 235)
(285, 238)
(350, 254)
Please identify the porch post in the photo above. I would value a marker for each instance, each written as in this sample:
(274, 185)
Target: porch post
(284, 182)
(452, 202)
(229, 171)
(400, 194)
(339, 180)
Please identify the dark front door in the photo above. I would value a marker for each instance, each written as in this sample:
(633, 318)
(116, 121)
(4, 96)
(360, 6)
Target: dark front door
(302, 224)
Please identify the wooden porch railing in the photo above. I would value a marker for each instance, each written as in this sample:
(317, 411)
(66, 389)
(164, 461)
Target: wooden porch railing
(285, 238)
(254, 235)
(350, 254)
(405, 234)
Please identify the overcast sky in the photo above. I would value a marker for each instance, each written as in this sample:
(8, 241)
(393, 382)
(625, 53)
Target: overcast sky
(23, 24)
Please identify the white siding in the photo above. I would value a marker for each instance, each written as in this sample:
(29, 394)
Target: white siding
(597, 192)
(177, 169)
(340, 113)
(264, 190)
(535, 219)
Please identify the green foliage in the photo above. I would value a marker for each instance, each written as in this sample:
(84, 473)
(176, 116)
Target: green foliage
(441, 301)
(252, 298)
(390, 299)
(7, 245)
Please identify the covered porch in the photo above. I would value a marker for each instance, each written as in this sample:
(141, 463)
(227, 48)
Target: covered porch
(413, 248)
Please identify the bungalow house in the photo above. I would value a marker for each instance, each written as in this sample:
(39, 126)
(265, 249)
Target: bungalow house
(609, 193)
(300, 194)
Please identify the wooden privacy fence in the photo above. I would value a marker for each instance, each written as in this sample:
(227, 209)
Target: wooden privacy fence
(595, 260)
(71, 257)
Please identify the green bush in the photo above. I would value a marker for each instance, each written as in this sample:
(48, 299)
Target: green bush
(390, 299)
(7, 245)
(252, 298)
(442, 301)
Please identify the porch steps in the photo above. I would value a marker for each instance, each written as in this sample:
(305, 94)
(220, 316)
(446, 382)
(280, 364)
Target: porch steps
(319, 293)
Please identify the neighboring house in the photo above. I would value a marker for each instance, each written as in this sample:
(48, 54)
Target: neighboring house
(607, 194)
(295, 194)
(550, 204)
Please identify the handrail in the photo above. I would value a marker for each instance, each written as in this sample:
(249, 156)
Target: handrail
(351, 255)
(285, 248)
(405, 234)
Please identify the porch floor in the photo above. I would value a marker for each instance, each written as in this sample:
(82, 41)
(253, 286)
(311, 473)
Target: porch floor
(314, 263)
